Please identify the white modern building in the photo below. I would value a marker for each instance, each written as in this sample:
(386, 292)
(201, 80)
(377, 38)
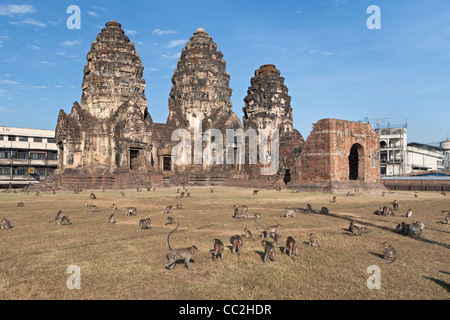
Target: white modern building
(422, 157)
(393, 150)
(26, 155)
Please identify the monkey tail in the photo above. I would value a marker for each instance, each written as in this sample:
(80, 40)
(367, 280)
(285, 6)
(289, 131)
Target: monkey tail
(167, 240)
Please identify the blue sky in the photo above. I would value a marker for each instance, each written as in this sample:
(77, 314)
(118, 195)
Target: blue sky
(334, 66)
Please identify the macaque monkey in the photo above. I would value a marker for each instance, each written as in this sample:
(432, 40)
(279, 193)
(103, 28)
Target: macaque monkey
(20, 204)
(395, 204)
(334, 200)
(169, 220)
(218, 249)
(5, 224)
(389, 252)
(145, 224)
(92, 196)
(409, 213)
(94, 208)
(269, 251)
(255, 192)
(179, 254)
(288, 213)
(247, 234)
(237, 244)
(168, 209)
(291, 247)
(313, 241)
(130, 211)
(114, 206)
(257, 216)
(112, 219)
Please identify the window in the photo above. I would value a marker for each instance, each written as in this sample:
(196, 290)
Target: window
(23, 139)
(37, 156)
(39, 171)
(50, 140)
(20, 155)
(5, 171)
(20, 171)
(4, 154)
(2, 137)
(52, 156)
(11, 138)
(50, 171)
(167, 166)
(37, 139)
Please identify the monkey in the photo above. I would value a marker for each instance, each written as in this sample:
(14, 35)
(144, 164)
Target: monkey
(358, 230)
(248, 234)
(271, 232)
(122, 193)
(179, 206)
(244, 209)
(212, 190)
(382, 194)
(405, 229)
(389, 252)
(114, 206)
(145, 224)
(138, 189)
(241, 216)
(257, 216)
(237, 244)
(236, 211)
(188, 194)
(288, 213)
(291, 247)
(352, 225)
(269, 251)
(444, 193)
(278, 188)
(349, 194)
(415, 195)
(395, 204)
(408, 213)
(169, 220)
(38, 194)
(64, 221)
(309, 208)
(398, 228)
(324, 210)
(446, 219)
(387, 211)
(416, 228)
(5, 224)
(94, 208)
(255, 192)
(130, 211)
(313, 241)
(334, 200)
(58, 217)
(218, 249)
(86, 204)
(112, 219)
(92, 196)
(182, 195)
(178, 254)
(168, 209)
(20, 204)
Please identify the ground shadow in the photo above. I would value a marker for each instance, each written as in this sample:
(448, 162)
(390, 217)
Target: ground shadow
(379, 255)
(443, 284)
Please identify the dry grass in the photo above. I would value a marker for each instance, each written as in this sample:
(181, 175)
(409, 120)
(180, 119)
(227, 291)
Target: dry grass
(121, 262)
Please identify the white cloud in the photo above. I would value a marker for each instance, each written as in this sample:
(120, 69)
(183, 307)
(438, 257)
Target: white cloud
(8, 82)
(61, 53)
(176, 43)
(171, 56)
(92, 13)
(69, 43)
(32, 46)
(130, 32)
(159, 32)
(154, 69)
(12, 9)
(48, 63)
(29, 21)
(3, 109)
(39, 87)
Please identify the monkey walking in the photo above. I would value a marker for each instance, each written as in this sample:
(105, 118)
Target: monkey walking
(358, 230)
(255, 192)
(291, 247)
(179, 254)
(269, 251)
(270, 232)
(218, 249)
(130, 211)
(237, 244)
(389, 252)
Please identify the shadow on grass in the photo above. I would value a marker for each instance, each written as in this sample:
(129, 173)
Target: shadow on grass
(379, 255)
(444, 245)
(443, 284)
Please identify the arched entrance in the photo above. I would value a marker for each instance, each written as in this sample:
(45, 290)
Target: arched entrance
(356, 162)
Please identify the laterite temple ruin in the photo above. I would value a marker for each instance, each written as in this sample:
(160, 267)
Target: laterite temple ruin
(109, 139)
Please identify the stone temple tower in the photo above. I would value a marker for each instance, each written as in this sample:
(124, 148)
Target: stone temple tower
(110, 131)
(268, 106)
(200, 90)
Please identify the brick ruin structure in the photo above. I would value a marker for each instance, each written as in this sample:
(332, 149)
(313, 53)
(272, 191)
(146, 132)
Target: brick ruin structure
(110, 141)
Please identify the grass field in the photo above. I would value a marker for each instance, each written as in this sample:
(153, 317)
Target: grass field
(121, 262)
